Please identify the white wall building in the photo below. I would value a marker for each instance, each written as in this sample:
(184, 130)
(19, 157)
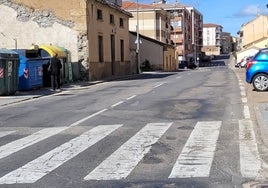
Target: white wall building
(212, 39)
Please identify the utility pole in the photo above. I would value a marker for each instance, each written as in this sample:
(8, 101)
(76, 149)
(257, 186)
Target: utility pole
(138, 40)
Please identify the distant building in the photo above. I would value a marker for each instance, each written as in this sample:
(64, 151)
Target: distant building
(212, 39)
(226, 43)
(187, 23)
(154, 22)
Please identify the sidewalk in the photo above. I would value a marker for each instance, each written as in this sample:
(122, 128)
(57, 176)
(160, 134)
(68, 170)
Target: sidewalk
(21, 96)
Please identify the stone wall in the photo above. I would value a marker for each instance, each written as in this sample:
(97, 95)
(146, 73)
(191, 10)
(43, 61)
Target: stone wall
(29, 22)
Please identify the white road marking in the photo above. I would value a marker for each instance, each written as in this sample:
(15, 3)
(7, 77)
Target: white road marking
(158, 85)
(197, 155)
(88, 117)
(22, 143)
(244, 100)
(116, 104)
(246, 112)
(120, 164)
(5, 133)
(36, 169)
(133, 96)
(250, 162)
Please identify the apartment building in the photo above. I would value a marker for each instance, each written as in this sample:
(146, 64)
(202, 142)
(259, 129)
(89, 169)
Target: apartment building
(212, 39)
(95, 32)
(152, 21)
(187, 23)
(226, 43)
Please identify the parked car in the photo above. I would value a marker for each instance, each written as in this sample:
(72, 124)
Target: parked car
(257, 70)
(243, 62)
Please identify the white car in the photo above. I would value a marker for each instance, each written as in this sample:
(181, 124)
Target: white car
(243, 62)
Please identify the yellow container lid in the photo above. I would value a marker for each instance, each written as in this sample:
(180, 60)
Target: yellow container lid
(51, 50)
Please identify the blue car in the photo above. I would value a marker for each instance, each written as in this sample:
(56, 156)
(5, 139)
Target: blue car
(257, 70)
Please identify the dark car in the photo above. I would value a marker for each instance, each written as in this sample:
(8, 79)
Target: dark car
(257, 70)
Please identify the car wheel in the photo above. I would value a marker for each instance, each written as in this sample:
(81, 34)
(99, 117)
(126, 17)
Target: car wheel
(260, 82)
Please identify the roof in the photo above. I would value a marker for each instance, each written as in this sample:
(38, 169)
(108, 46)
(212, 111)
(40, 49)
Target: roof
(128, 5)
(171, 6)
(151, 39)
(211, 25)
(111, 5)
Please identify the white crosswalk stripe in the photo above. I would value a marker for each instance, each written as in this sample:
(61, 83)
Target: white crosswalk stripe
(124, 160)
(22, 143)
(194, 160)
(5, 133)
(36, 169)
(197, 155)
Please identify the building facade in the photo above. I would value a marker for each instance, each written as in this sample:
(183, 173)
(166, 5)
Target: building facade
(108, 35)
(227, 42)
(212, 39)
(71, 26)
(153, 22)
(187, 23)
(254, 33)
(158, 55)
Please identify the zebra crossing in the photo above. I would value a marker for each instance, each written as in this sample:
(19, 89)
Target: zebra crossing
(195, 159)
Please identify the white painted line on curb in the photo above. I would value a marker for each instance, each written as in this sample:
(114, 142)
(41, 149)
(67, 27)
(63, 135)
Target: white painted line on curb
(88, 117)
(116, 104)
(246, 112)
(22, 143)
(244, 100)
(36, 169)
(120, 164)
(243, 93)
(250, 162)
(197, 155)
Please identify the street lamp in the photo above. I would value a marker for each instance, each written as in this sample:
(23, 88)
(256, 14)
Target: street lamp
(138, 41)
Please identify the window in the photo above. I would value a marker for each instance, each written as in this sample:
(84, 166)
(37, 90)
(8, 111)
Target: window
(99, 14)
(122, 50)
(121, 22)
(100, 43)
(176, 24)
(111, 19)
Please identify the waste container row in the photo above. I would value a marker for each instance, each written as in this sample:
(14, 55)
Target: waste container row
(27, 69)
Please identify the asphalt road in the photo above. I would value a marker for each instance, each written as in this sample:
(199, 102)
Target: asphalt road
(173, 129)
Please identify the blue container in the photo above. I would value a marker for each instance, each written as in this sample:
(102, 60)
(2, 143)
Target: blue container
(30, 70)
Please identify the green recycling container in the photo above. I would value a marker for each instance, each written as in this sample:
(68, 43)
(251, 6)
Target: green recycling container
(9, 72)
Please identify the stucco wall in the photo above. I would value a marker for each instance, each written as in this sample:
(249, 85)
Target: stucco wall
(29, 32)
(255, 30)
(153, 52)
(103, 27)
(29, 22)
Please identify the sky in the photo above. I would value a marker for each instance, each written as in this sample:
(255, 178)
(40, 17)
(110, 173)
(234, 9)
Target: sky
(230, 14)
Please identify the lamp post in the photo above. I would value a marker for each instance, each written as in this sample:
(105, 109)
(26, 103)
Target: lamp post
(138, 40)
